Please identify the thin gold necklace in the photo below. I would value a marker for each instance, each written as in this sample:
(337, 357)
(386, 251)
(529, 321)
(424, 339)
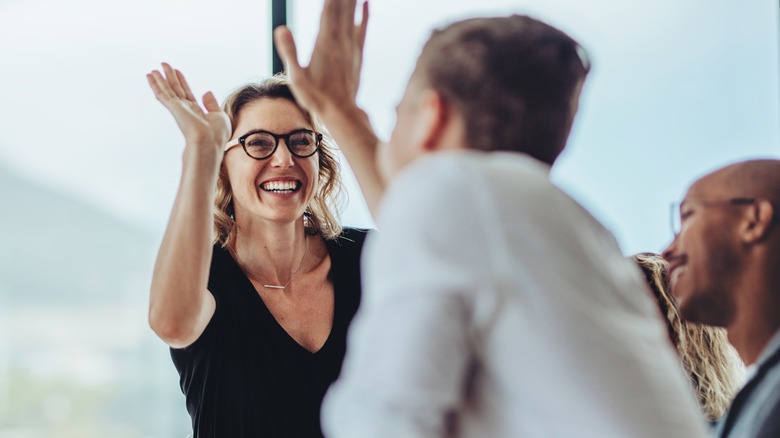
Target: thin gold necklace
(305, 250)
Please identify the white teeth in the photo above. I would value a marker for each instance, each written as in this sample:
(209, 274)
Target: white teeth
(676, 275)
(280, 186)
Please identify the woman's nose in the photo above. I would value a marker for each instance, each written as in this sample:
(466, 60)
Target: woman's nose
(282, 156)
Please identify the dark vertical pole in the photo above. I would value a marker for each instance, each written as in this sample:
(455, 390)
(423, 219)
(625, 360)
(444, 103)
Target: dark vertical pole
(278, 18)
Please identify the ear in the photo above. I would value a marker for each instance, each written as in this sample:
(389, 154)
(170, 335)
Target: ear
(433, 116)
(759, 218)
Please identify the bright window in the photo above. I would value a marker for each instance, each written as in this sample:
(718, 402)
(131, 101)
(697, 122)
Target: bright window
(89, 161)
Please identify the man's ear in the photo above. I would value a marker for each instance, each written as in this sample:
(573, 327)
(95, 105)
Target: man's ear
(433, 117)
(758, 221)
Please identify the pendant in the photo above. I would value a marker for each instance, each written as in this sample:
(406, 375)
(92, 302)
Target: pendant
(271, 286)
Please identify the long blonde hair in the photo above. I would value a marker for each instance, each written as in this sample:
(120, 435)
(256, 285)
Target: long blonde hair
(713, 366)
(320, 216)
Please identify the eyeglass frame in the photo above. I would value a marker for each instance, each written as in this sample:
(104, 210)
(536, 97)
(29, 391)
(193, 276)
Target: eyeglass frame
(676, 209)
(286, 137)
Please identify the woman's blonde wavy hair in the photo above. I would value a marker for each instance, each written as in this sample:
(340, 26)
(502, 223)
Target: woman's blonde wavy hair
(320, 216)
(713, 366)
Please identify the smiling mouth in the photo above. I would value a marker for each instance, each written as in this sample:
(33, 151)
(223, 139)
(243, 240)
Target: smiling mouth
(675, 274)
(281, 186)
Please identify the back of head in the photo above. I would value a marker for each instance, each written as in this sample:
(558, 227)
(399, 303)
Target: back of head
(515, 80)
(713, 366)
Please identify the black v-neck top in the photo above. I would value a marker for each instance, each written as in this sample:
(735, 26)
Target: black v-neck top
(245, 376)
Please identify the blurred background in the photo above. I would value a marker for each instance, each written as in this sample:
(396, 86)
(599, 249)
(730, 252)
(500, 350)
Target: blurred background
(90, 161)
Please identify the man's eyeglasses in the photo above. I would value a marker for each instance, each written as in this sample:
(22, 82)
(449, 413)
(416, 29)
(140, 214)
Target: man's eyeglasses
(260, 145)
(678, 216)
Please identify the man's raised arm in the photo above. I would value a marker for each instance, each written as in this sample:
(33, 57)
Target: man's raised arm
(328, 88)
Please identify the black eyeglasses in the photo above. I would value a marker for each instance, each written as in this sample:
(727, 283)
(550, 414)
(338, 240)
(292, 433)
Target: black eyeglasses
(677, 216)
(302, 143)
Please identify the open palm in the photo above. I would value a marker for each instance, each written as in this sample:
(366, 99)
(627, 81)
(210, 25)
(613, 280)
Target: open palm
(210, 127)
(332, 77)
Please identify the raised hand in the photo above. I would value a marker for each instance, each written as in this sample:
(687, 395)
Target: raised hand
(180, 305)
(328, 87)
(332, 78)
(209, 128)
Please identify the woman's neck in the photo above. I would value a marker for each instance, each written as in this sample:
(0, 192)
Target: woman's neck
(270, 252)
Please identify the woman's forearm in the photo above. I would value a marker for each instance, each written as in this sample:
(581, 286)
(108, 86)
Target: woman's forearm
(180, 305)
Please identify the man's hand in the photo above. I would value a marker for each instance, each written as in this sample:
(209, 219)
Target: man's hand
(328, 88)
(332, 78)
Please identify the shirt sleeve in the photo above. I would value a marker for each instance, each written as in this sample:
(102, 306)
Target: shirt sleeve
(411, 344)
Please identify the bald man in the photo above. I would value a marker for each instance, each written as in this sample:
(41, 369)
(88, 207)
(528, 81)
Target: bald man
(725, 271)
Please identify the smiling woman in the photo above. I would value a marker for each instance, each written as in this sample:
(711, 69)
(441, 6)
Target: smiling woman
(255, 282)
(89, 165)
(711, 363)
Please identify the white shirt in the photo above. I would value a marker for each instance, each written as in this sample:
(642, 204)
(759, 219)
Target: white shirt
(756, 411)
(771, 346)
(495, 306)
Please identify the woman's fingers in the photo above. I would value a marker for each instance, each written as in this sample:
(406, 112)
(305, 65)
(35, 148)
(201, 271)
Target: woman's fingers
(161, 88)
(153, 84)
(173, 81)
(210, 102)
(180, 106)
(172, 90)
(185, 86)
(217, 118)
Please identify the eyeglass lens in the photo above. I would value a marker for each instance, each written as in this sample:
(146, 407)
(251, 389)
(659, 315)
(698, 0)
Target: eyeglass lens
(262, 144)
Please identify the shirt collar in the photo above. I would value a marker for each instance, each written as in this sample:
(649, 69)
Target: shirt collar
(771, 347)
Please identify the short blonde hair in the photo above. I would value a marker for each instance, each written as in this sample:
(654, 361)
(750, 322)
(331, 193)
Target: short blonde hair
(713, 366)
(321, 215)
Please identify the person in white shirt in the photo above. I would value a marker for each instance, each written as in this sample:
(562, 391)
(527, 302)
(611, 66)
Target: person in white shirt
(723, 269)
(494, 305)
